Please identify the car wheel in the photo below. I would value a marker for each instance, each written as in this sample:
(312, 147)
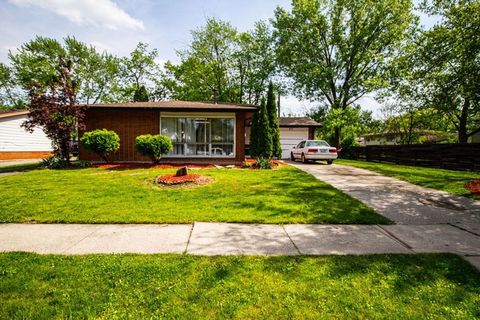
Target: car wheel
(303, 159)
(292, 157)
(329, 161)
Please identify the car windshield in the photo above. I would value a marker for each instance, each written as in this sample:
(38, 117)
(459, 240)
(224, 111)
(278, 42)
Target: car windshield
(317, 143)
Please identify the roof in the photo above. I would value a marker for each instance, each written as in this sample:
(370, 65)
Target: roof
(12, 113)
(185, 105)
(298, 122)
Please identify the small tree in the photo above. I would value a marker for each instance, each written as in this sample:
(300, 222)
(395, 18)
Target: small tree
(102, 142)
(153, 146)
(55, 110)
(273, 122)
(141, 94)
(261, 134)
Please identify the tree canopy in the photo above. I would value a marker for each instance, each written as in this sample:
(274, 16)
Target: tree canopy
(337, 51)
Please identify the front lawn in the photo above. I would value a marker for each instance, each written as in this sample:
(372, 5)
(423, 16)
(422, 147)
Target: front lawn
(93, 195)
(447, 180)
(428, 286)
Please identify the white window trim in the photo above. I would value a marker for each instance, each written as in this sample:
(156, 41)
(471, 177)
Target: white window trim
(202, 115)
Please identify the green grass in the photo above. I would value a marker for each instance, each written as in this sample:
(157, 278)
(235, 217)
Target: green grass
(21, 167)
(440, 179)
(92, 195)
(427, 286)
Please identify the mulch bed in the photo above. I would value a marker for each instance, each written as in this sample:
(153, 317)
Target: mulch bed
(172, 180)
(127, 166)
(473, 186)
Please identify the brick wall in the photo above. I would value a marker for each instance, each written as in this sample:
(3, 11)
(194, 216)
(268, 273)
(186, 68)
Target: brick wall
(129, 124)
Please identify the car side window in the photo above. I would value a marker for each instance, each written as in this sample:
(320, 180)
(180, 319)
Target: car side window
(301, 145)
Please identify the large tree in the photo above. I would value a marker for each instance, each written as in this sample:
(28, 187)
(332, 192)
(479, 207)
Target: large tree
(236, 66)
(11, 96)
(446, 64)
(36, 62)
(337, 51)
(139, 69)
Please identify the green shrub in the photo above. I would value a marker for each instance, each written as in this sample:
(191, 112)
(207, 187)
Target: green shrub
(54, 162)
(263, 163)
(246, 164)
(153, 146)
(102, 142)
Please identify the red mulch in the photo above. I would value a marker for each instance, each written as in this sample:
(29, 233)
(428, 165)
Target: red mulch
(126, 166)
(473, 186)
(171, 180)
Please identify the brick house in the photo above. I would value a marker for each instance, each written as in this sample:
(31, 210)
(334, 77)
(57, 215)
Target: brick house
(201, 132)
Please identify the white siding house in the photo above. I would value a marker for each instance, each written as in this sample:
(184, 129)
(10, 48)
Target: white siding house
(16, 142)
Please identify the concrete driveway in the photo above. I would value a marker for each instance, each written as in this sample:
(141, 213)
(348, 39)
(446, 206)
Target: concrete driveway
(400, 201)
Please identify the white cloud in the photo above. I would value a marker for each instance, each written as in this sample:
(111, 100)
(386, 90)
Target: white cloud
(102, 13)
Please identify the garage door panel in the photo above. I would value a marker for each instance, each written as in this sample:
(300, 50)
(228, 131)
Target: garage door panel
(290, 137)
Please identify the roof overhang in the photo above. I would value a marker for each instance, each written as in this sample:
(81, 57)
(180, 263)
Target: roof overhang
(178, 106)
(11, 114)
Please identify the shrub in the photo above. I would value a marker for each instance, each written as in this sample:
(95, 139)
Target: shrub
(153, 146)
(246, 164)
(473, 186)
(102, 142)
(54, 162)
(263, 163)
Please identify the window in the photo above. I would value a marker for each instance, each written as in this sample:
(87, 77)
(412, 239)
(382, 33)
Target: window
(200, 137)
(301, 145)
(317, 143)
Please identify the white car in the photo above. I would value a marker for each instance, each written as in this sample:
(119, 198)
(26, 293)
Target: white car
(314, 150)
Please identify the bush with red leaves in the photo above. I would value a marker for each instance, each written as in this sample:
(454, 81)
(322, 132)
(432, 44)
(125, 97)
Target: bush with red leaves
(473, 186)
(174, 180)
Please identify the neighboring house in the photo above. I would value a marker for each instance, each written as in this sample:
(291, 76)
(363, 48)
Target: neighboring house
(292, 131)
(201, 132)
(16, 142)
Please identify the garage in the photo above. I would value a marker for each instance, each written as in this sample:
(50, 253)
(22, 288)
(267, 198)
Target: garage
(292, 131)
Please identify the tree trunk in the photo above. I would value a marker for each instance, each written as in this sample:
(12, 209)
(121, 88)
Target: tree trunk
(336, 138)
(462, 125)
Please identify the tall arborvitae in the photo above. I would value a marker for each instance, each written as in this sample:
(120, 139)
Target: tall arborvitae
(264, 134)
(273, 122)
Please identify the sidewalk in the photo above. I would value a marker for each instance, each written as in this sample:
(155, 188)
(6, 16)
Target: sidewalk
(202, 238)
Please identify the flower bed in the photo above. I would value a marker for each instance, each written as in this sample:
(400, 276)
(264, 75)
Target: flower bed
(473, 186)
(126, 166)
(171, 180)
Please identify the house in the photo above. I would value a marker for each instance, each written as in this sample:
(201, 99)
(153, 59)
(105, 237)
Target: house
(201, 132)
(16, 142)
(292, 131)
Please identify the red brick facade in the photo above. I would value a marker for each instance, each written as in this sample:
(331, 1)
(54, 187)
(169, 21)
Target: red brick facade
(130, 123)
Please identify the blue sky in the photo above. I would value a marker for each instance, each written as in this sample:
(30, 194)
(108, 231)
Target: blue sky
(118, 25)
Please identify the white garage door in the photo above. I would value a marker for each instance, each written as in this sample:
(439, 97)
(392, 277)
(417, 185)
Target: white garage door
(290, 137)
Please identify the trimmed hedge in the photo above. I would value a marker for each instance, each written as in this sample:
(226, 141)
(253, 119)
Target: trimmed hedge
(103, 142)
(153, 146)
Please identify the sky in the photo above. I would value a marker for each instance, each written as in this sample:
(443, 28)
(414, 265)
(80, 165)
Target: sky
(118, 25)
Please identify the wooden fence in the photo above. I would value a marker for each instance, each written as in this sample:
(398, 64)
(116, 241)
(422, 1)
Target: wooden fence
(447, 156)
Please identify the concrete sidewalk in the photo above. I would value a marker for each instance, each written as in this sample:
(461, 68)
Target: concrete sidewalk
(238, 239)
